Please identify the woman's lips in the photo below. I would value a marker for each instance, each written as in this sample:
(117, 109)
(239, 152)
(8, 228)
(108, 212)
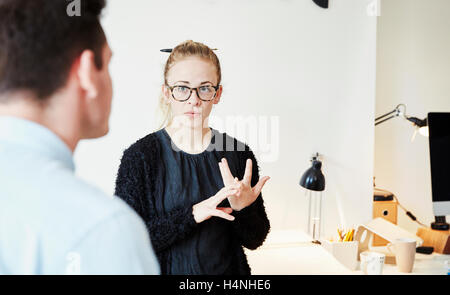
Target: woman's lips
(192, 113)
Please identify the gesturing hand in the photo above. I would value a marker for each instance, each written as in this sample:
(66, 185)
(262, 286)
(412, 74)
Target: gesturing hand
(207, 208)
(246, 194)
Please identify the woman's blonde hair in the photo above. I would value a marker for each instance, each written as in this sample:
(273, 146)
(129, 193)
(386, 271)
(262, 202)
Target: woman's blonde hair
(186, 49)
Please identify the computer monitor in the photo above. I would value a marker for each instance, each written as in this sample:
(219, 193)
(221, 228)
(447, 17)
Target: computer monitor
(439, 140)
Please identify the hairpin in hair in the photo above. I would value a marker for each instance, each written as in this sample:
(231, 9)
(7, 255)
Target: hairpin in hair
(169, 50)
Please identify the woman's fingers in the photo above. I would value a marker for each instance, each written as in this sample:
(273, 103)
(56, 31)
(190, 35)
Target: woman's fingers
(227, 178)
(248, 172)
(227, 210)
(226, 169)
(258, 187)
(221, 214)
(224, 193)
(207, 208)
(221, 171)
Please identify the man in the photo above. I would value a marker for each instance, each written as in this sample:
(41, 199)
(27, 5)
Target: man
(55, 90)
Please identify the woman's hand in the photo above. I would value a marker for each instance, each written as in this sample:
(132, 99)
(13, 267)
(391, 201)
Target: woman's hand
(207, 208)
(246, 194)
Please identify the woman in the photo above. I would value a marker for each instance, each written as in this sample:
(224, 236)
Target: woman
(198, 193)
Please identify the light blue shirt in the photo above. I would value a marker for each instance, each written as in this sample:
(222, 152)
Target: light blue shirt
(52, 222)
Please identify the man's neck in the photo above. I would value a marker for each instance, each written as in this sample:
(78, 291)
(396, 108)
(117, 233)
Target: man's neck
(50, 117)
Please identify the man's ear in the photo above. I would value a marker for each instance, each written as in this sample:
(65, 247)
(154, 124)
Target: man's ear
(216, 99)
(87, 73)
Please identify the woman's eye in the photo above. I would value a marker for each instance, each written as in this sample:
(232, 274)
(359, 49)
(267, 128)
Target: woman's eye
(181, 88)
(206, 89)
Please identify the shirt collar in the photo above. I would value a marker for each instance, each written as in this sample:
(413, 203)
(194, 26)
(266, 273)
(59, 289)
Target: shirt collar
(34, 136)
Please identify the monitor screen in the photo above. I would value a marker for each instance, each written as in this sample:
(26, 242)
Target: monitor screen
(439, 139)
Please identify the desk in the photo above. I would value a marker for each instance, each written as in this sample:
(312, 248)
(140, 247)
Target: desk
(290, 252)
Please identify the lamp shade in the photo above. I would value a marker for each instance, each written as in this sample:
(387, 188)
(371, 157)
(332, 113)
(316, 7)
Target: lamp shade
(424, 131)
(321, 3)
(313, 179)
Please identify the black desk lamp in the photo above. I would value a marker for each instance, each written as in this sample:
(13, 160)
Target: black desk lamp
(322, 3)
(313, 181)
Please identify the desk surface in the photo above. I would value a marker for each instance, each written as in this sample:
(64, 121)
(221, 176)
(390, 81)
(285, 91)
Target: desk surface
(290, 252)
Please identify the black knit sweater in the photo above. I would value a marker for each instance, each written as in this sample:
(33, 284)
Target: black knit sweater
(140, 183)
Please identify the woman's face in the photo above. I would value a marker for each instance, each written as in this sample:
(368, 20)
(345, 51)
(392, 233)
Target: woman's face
(191, 72)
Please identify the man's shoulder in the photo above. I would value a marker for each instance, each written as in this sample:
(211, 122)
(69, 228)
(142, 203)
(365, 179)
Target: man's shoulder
(74, 203)
(59, 219)
(95, 203)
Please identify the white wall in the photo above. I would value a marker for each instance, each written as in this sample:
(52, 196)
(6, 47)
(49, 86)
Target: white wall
(311, 69)
(413, 67)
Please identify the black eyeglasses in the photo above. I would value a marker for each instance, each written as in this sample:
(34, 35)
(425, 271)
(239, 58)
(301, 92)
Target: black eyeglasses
(183, 93)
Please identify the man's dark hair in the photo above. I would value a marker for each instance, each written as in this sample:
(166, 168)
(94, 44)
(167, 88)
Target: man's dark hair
(39, 42)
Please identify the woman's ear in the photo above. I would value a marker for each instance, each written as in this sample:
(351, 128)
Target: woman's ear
(216, 99)
(166, 93)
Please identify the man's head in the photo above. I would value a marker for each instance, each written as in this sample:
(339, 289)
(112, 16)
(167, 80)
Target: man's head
(45, 54)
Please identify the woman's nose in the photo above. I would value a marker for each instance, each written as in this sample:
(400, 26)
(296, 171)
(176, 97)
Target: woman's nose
(194, 99)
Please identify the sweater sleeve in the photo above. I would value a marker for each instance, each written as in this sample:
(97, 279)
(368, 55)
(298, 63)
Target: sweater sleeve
(251, 224)
(132, 185)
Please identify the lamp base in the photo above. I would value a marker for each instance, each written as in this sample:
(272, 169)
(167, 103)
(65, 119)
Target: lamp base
(440, 223)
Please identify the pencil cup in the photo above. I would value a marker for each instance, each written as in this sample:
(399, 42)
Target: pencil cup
(345, 252)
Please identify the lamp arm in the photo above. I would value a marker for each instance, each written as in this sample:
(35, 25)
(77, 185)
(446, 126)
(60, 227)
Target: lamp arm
(395, 113)
(377, 122)
(387, 114)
